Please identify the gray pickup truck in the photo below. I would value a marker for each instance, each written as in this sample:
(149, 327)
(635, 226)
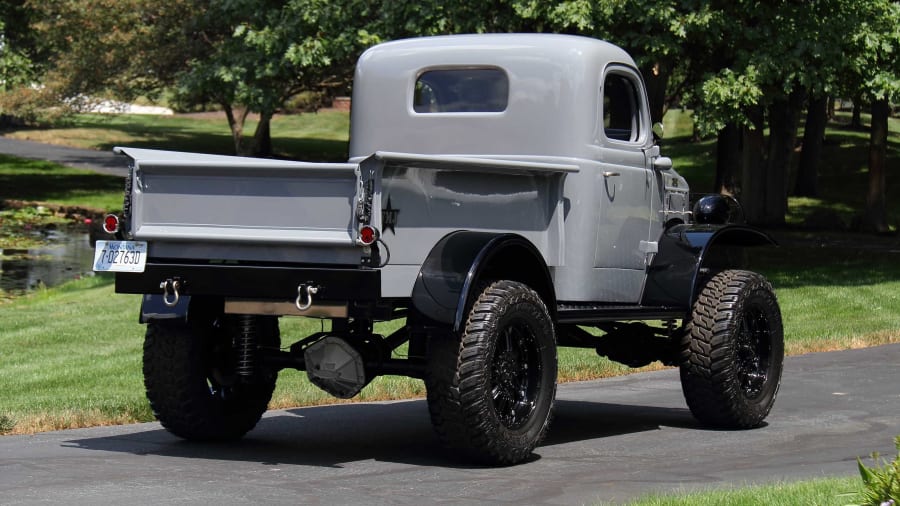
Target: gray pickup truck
(504, 196)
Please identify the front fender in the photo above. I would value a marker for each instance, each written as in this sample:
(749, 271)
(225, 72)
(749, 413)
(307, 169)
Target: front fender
(448, 280)
(686, 252)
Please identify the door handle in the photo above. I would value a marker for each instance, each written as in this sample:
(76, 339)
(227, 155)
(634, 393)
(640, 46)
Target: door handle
(611, 174)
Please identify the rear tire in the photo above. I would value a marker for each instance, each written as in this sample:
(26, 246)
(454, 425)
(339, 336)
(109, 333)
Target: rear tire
(491, 391)
(189, 374)
(733, 350)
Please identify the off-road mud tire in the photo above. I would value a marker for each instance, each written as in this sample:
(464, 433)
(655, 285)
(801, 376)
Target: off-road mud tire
(491, 390)
(732, 352)
(190, 381)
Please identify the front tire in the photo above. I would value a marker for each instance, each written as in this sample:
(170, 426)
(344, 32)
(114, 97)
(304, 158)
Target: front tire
(189, 375)
(491, 390)
(733, 351)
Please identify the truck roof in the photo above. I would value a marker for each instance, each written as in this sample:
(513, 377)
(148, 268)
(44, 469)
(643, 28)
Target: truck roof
(548, 109)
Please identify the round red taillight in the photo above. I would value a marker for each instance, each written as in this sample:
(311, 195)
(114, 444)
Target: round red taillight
(368, 235)
(111, 223)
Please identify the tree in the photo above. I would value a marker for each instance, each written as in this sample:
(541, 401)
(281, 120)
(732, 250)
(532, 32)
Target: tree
(807, 184)
(256, 54)
(15, 65)
(122, 48)
(875, 62)
(247, 56)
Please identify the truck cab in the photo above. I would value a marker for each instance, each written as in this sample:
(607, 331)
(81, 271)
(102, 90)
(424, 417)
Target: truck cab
(570, 101)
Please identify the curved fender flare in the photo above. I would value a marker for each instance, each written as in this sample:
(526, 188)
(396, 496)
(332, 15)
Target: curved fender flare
(448, 280)
(686, 252)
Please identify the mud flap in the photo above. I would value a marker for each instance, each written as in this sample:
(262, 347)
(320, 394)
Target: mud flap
(154, 307)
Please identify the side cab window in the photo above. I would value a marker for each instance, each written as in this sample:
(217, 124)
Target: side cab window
(621, 107)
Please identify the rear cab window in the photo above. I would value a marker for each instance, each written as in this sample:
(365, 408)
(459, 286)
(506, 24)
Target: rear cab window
(453, 90)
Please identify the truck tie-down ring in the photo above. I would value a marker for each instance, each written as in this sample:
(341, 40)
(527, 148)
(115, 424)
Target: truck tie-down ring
(310, 291)
(174, 285)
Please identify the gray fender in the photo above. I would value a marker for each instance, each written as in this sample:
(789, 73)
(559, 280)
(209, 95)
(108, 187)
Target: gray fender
(448, 280)
(688, 252)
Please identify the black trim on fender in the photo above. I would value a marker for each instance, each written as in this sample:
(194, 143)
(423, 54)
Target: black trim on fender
(249, 281)
(451, 272)
(685, 251)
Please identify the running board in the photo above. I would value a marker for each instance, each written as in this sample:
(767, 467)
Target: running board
(592, 313)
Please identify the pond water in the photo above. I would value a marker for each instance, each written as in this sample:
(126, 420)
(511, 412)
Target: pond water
(67, 255)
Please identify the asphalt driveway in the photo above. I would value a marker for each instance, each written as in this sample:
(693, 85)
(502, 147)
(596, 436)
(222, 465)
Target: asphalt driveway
(612, 439)
(104, 162)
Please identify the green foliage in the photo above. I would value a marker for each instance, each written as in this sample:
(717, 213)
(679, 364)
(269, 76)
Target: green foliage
(882, 481)
(19, 226)
(7, 424)
(16, 77)
(15, 66)
(16, 48)
(32, 106)
(873, 58)
(120, 48)
(259, 54)
(727, 95)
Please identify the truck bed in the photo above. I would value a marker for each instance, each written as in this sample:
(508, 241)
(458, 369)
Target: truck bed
(187, 196)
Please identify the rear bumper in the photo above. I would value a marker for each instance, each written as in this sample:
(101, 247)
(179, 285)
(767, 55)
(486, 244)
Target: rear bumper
(255, 282)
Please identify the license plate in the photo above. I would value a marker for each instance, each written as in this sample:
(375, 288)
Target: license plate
(120, 256)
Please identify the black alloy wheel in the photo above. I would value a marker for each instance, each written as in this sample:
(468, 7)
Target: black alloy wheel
(491, 389)
(733, 351)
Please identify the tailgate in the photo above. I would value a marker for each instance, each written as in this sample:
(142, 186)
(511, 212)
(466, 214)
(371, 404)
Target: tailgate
(186, 196)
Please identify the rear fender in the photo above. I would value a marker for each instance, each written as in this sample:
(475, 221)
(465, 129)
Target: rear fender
(448, 282)
(689, 253)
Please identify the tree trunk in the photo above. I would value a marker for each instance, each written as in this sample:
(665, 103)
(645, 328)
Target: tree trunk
(657, 80)
(753, 173)
(783, 118)
(856, 121)
(875, 218)
(236, 124)
(262, 145)
(728, 160)
(813, 137)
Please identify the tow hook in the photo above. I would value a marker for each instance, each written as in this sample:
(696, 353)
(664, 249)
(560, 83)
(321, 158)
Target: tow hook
(171, 286)
(309, 290)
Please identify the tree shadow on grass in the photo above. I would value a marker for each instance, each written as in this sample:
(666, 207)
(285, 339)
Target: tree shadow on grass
(49, 186)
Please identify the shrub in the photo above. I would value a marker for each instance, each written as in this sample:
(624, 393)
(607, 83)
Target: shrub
(7, 424)
(29, 106)
(882, 481)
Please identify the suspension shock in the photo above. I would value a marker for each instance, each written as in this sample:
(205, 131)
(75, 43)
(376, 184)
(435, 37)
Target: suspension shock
(248, 326)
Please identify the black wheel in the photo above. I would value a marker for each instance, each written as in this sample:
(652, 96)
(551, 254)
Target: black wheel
(190, 373)
(491, 390)
(733, 351)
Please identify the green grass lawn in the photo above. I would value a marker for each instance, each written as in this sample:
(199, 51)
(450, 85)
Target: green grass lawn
(318, 136)
(820, 492)
(38, 181)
